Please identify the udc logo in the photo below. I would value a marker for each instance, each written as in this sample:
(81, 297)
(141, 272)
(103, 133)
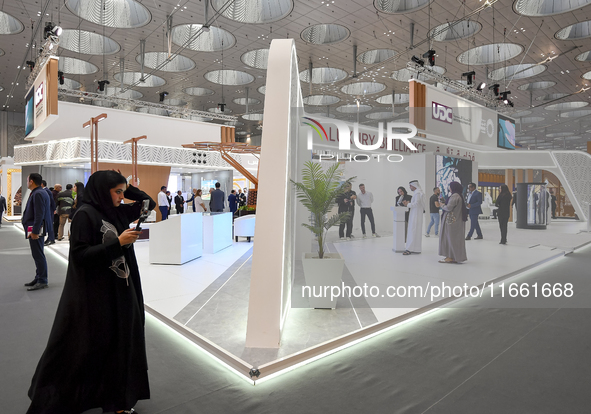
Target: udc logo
(443, 113)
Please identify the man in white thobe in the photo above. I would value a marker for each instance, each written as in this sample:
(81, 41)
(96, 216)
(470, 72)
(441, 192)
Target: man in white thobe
(414, 237)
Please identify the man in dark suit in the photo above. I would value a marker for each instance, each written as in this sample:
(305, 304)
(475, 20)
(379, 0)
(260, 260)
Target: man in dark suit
(179, 202)
(50, 232)
(36, 218)
(3, 208)
(233, 202)
(473, 202)
(218, 198)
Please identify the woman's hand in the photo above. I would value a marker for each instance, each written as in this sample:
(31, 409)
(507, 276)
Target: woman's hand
(128, 236)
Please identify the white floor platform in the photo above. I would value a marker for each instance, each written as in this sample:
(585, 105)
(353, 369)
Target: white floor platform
(172, 290)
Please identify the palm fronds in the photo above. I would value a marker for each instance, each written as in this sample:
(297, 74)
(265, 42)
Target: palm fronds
(318, 192)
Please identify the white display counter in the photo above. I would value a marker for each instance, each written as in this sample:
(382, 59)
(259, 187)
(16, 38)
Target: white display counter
(217, 231)
(399, 218)
(177, 240)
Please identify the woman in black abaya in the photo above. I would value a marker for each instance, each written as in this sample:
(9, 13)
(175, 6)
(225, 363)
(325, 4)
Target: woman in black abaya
(96, 353)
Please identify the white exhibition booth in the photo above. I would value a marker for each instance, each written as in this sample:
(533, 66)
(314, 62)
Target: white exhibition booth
(263, 330)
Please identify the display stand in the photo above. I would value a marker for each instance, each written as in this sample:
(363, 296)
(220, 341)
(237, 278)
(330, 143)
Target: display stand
(532, 206)
(399, 224)
(217, 231)
(177, 240)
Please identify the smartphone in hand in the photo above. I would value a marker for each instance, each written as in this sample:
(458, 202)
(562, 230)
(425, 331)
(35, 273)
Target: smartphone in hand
(143, 215)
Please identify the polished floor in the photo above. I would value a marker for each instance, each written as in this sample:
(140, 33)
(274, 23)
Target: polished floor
(209, 295)
(489, 356)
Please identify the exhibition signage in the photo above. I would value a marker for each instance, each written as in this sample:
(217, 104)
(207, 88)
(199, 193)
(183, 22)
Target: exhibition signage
(41, 100)
(396, 139)
(458, 119)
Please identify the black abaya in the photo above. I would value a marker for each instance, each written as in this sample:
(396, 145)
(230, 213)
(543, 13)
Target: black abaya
(96, 354)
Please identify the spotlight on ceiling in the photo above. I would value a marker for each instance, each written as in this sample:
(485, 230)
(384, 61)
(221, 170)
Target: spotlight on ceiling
(430, 56)
(163, 95)
(495, 88)
(418, 61)
(205, 28)
(469, 76)
(504, 98)
(221, 107)
(60, 77)
(481, 86)
(30, 64)
(51, 30)
(102, 84)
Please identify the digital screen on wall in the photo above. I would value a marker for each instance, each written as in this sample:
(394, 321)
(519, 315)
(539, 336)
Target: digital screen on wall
(205, 186)
(449, 169)
(29, 112)
(506, 133)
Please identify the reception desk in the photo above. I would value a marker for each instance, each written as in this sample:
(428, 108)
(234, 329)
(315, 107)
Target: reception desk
(217, 231)
(178, 239)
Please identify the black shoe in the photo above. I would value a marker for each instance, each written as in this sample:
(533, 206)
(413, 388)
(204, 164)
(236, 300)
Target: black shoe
(479, 238)
(49, 242)
(33, 283)
(468, 238)
(38, 286)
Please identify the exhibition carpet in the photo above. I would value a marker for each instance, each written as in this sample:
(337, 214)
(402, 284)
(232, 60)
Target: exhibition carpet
(475, 359)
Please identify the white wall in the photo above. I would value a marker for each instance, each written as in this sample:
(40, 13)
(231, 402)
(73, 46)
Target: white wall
(124, 125)
(382, 179)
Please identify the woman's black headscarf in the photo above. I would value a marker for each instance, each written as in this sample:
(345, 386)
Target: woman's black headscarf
(456, 188)
(403, 190)
(98, 194)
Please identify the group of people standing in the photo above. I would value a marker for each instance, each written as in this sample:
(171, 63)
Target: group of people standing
(46, 213)
(455, 212)
(216, 201)
(346, 204)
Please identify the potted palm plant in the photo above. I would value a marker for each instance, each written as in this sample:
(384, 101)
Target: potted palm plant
(318, 192)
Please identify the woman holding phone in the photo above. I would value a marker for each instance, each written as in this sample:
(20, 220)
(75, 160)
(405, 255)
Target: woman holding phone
(96, 353)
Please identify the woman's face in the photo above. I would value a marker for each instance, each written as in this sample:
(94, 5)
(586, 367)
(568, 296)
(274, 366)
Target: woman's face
(400, 192)
(117, 194)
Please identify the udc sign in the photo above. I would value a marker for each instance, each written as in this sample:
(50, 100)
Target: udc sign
(443, 113)
(394, 131)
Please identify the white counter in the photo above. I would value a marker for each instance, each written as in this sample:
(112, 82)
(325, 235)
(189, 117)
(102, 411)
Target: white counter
(177, 240)
(217, 231)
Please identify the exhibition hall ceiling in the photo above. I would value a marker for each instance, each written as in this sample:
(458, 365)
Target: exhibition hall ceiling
(538, 49)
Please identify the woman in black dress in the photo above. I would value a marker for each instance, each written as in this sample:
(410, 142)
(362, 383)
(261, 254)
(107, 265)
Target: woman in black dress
(96, 353)
(504, 210)
(400, 198)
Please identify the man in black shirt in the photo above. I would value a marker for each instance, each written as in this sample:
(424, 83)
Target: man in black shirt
(434, 211)
(346, 203)
(553, 203)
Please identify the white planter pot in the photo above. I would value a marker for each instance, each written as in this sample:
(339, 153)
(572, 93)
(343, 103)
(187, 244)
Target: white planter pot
(320, 275)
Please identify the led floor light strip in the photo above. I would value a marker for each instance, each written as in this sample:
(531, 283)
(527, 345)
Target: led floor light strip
(195, 345)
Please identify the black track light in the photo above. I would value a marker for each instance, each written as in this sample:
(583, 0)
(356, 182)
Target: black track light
(163, 95)
(481, 86)
(60, 77)
(504, 98)
(102, 84)
(470, 76)
(51, 30)
(30, 64)
(221, 107)
(495, 88)
(430, 56)
(418, 61)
